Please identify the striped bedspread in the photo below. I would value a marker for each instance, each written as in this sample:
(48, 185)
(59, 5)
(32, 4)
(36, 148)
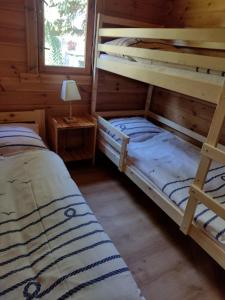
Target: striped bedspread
(51, 244)
(171, 164)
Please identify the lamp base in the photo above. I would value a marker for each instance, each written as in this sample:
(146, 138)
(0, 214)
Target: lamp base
(70, 120)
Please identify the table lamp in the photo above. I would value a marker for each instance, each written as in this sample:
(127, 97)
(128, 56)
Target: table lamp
(70, 92)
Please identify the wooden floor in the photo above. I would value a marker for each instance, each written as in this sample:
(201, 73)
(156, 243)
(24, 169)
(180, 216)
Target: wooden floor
(166, 264)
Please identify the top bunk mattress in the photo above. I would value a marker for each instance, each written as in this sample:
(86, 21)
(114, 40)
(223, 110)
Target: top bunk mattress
(139, 44)
(171, 164)
(51, 244)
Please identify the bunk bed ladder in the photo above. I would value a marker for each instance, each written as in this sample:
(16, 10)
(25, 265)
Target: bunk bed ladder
(209, 153)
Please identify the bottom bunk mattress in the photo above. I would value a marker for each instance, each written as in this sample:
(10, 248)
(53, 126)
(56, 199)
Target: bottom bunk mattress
(171, 164)
(51, 244)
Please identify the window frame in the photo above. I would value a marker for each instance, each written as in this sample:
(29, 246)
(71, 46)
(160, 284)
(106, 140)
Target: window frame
(88, 49)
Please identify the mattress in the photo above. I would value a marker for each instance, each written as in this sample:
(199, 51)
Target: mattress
(144, 44)
(171, 164)
(51, 244)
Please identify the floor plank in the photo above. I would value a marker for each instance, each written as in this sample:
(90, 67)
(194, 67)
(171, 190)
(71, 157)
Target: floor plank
(166, 264)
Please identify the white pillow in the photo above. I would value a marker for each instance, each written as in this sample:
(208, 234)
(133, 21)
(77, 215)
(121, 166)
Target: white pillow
(137, 128)
(123, 42)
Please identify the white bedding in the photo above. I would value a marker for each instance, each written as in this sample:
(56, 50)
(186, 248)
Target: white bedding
(171, 164)
(51, 244)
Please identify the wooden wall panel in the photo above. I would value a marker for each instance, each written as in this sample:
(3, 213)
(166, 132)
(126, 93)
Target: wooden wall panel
(18, 89)
(187, 111)
(38, 91)
(181, 109)
(196, 13)
(120, 93)
(116, 92)
(12, 35)
(152, 11)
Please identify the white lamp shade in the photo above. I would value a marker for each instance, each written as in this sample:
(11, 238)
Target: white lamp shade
(69, 91)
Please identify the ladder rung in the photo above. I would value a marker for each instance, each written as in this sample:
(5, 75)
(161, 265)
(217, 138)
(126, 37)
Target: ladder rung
(210, 202)
(213, 153)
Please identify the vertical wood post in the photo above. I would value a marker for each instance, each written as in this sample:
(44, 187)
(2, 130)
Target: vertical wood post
(148, 100)
(123, 155)
(205, 162)
(95, 70)
(31, 36)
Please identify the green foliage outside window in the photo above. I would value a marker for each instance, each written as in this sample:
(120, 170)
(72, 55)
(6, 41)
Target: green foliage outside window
(60, 21)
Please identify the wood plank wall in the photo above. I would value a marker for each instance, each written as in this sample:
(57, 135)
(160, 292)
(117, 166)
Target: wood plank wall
(189, 112)
(19, 90)
(196, 13)
(116, 92)
(22, 89)
(153, 11)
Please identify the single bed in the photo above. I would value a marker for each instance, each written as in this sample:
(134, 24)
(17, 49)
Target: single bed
(51, 244)
(170, 163)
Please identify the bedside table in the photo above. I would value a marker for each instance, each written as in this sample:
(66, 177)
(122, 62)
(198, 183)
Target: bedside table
(74, 141)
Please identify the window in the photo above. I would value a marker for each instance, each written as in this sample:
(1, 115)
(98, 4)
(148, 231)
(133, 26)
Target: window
(65, 35)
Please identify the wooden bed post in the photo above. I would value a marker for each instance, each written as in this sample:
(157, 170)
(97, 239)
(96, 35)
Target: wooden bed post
(95, 70)
(123, 155)
(148, 100)
(40, 116)
(209, 153)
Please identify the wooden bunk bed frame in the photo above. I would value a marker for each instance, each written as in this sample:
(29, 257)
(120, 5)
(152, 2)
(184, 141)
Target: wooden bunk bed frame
(208, 85)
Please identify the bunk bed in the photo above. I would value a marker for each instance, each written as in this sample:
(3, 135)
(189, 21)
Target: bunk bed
(51, 244)
(191, 74)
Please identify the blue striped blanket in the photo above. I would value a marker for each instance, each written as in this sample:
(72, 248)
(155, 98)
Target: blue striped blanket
(51, 244)
(171, 164)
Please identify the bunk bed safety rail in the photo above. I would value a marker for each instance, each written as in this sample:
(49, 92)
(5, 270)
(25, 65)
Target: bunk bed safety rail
(112, 139)
(186, 34)
(184, 59)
